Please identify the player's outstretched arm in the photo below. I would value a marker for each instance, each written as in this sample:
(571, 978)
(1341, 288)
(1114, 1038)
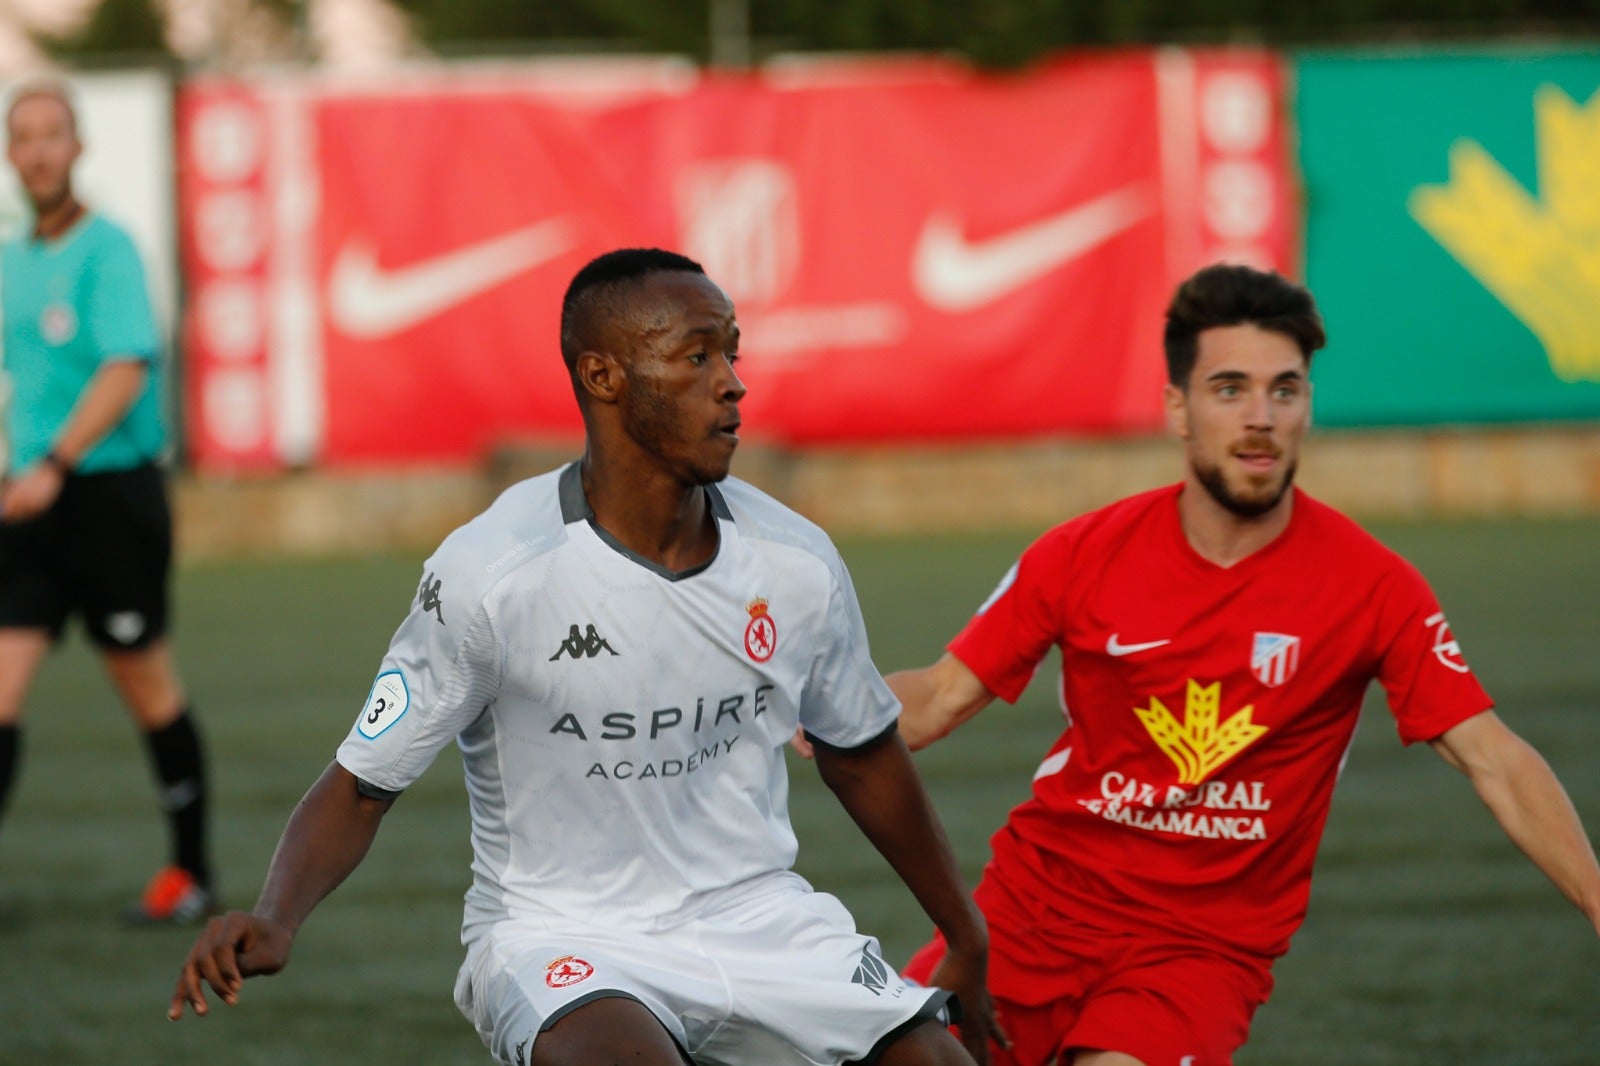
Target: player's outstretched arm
(879, 788)
(327, 837)
(936, 699)
(1522, 792)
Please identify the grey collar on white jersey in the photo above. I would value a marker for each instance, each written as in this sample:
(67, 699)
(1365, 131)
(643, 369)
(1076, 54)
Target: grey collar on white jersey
(575, 508)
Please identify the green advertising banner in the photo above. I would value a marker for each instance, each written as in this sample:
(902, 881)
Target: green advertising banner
(1453, 234)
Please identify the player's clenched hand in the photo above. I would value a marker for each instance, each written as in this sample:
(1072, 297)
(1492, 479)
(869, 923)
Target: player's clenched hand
(229, 949)
(967, 978)
(30, 495)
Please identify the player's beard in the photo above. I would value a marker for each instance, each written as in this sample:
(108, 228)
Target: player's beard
(657, 427)
(1216, 485)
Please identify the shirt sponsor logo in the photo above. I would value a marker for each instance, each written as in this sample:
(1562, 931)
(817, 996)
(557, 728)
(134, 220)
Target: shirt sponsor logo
(1445, 647)
(669, 726)
(386, 704)
(1202, 742)
(1216, 810)
(1116, 648)
(761, 633)
(567, 971)
(1274, 657)
(428, 596)
(585, 645)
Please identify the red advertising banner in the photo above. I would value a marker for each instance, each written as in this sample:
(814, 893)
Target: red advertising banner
(916, 252)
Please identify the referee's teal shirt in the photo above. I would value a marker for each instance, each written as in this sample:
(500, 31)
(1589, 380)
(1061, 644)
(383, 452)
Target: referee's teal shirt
(70, 305)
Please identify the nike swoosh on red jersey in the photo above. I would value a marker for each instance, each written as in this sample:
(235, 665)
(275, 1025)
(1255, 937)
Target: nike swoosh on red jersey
(367, 301)
(952, 273)
(1117, 648)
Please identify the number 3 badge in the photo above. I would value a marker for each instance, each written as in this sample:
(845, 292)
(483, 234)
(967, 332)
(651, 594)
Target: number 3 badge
(386, 704)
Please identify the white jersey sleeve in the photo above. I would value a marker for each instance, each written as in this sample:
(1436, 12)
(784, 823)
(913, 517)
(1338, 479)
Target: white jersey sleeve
(846, 702)
(442, 669)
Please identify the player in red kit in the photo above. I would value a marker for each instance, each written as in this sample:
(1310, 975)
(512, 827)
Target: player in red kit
(1217, 637)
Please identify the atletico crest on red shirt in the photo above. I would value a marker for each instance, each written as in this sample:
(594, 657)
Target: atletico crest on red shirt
(1274, 658)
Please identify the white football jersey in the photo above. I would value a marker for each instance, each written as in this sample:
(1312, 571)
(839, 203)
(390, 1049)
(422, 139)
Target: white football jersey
(622, 726)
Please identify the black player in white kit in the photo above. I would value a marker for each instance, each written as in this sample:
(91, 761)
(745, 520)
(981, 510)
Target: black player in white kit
(622, 648)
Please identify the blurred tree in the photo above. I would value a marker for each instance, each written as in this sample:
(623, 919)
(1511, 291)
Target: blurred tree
(998, 33)
(119, 26)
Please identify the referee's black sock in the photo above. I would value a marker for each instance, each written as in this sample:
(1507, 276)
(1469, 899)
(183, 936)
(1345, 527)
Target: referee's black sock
(10, 755)
(180, 769)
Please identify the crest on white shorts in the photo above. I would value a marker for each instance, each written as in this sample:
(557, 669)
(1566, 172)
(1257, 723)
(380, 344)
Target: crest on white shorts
(566, 971)
(1274, 657)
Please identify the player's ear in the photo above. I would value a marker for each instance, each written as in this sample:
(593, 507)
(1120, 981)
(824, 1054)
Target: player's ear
(1176, 402)
(600, 375)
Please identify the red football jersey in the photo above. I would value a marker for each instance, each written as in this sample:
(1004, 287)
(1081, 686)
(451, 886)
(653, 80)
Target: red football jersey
(1209, 712)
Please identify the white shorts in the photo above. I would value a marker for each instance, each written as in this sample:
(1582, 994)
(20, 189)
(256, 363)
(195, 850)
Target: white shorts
(776, 979)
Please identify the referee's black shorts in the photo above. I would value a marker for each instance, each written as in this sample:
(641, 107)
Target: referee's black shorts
(103, 551)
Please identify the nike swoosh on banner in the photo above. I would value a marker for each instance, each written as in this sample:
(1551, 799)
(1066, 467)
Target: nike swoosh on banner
(1115, 647)
(954, 274)
(367, 302)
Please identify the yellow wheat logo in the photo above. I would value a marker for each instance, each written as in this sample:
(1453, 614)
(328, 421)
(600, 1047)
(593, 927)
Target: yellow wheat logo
(1199, 745)
(1541, 258)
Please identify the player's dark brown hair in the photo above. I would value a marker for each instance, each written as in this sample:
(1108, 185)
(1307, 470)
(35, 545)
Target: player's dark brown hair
(594, 296)
(1227, 294)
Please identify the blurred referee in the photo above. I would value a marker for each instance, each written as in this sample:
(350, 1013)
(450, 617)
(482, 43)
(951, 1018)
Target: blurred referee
(84, 522)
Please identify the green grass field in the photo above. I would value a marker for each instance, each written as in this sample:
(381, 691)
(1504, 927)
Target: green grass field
(1430, 939)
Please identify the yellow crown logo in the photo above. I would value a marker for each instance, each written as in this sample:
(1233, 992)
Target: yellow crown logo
(1541, 258)
(1199, 745)
(757, 607)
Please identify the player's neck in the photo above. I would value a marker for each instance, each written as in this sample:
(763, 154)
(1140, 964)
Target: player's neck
(652, 515)
(1223, 538)
(54, 220)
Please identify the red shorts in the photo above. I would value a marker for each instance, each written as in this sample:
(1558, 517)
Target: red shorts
(1061, 988)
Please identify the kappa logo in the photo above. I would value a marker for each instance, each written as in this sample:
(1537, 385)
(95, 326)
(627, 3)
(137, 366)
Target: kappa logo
(872, 972)
(522, 1051)
(955, 274)
(1200, 744)
(1274, 657)
(428, 596)
(1445, 647)
(585, 645)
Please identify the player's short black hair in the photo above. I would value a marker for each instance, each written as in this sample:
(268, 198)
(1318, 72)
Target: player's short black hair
(594, 294)
(1227, 294)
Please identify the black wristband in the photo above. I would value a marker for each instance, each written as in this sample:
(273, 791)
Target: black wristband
(57, 460)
